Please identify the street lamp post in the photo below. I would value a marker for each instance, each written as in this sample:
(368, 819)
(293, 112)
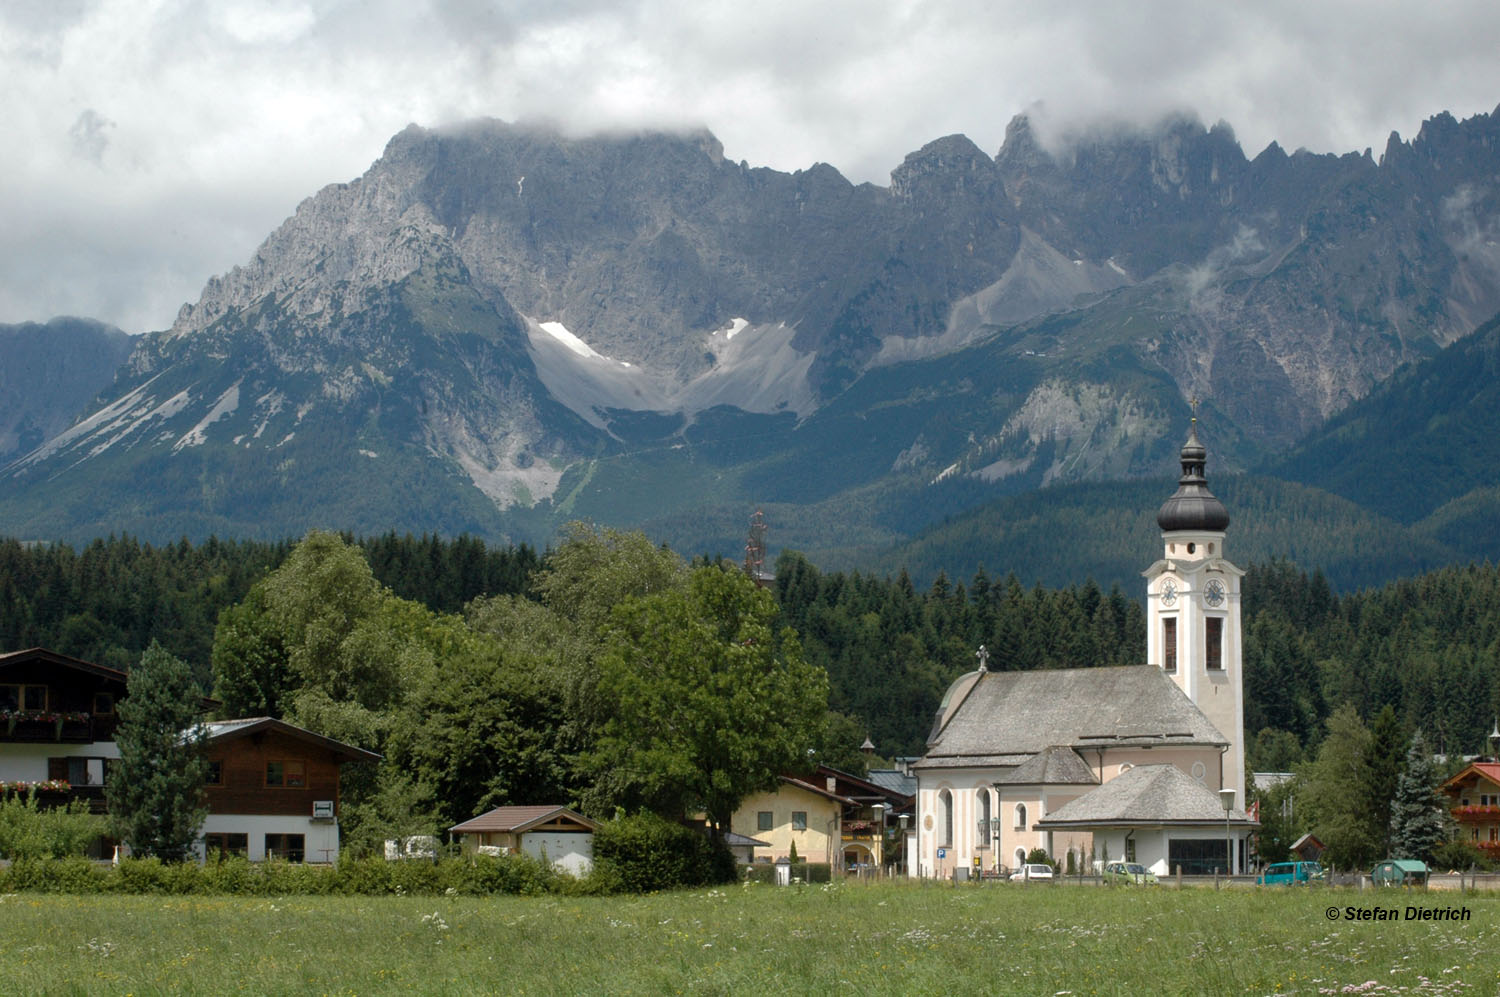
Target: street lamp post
(1226, 800)
(901, 855)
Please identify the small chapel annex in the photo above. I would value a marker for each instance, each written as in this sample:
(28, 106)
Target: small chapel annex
(1106, 763)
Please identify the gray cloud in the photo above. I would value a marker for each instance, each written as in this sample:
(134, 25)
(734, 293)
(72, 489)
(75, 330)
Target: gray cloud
(89, 137)
(223, 116)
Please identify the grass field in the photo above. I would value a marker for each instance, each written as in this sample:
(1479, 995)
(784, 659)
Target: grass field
(893, 939)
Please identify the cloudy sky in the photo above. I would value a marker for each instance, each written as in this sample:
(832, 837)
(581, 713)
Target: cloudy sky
(150, 144)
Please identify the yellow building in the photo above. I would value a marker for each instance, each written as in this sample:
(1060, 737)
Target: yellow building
(831, 816)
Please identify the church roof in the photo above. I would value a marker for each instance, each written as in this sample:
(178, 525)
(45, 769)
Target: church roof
(1006, 717)
(1058, 765)
(1151, 795)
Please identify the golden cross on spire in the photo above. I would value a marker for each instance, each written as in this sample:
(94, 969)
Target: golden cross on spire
(1194, 403)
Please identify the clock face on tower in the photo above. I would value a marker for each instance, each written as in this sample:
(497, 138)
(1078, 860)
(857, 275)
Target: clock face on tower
(1213, 592)
(1169, 593)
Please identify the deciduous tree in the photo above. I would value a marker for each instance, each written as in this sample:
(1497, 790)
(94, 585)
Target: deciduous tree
(709, 704)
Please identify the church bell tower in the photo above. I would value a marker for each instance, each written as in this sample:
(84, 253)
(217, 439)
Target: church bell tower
(1193, 610)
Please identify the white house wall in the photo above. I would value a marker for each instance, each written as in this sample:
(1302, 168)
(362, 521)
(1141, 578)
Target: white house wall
(26, 761)
(320, 838)
(572, 852)
(1151, 845)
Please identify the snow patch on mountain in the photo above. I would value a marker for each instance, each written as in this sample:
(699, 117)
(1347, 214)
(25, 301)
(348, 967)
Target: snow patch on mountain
(227, 403)
(87, 427)
(560, 332)
(755, 368)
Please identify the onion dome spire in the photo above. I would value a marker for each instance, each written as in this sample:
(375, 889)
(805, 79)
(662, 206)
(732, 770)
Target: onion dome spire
(1193, 507)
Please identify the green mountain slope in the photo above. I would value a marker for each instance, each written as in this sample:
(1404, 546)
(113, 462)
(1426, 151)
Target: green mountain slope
(1427, 437)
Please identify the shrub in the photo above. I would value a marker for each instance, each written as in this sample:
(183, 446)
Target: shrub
(813, 872)
(233, 875)
(1459, 855)
(28, 832)
(70, 875)
(647, 853)
(758, 872)
(520, 874)
(1038, 856)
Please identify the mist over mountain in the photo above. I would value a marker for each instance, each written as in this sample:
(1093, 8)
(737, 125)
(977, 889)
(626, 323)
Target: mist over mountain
(48, 373)
(498, 327)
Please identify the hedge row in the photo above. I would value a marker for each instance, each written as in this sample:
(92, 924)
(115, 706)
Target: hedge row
(804, 872)
(631, 855)
(647, 853)
(479, 875)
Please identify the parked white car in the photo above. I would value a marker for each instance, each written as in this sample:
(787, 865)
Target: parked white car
(1031, 870)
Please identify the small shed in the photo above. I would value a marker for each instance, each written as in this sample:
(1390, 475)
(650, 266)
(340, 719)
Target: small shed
(743, 847)
(554, 833)
(1308, 848)
(1400, 872)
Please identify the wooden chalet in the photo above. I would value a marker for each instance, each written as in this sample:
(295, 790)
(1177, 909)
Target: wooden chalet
(57, 725)
(1474, 799)
(273, 790)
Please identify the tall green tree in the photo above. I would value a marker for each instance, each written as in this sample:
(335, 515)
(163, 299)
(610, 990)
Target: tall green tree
(1419, 813)
(1336, 784)
(709, 703)
(156, 803)
(1383, 765)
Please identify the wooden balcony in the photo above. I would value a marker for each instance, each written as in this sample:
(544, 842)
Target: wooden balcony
(1476, 814)
(58, 728)
(52, 794)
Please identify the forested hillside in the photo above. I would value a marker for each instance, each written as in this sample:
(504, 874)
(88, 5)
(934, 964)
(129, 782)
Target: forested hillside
(1428, 646)
(106, 602)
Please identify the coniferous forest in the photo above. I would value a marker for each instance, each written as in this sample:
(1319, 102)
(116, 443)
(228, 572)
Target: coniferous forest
(1428, 647)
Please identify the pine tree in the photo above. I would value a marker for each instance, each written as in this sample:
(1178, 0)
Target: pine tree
(1419, 814)
(156, 795)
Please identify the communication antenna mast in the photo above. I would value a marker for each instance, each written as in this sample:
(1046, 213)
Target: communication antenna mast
(755, 547)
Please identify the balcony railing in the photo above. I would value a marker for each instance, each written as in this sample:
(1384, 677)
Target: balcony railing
(1471, 814)
(47, 725)
(57, 792)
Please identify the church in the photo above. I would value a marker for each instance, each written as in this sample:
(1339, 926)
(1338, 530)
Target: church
(1143, 764)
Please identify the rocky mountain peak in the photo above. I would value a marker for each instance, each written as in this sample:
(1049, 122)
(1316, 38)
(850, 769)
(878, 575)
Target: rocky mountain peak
(943, 167)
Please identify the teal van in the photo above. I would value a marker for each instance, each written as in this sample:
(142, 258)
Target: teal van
(1291, 874)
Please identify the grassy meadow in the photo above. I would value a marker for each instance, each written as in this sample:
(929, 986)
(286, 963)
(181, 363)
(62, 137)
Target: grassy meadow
(838, 939)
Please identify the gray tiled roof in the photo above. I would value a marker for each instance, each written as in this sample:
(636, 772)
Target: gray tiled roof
(1147, 795)
(895, 781)
(1058, 765)
(1021, 713)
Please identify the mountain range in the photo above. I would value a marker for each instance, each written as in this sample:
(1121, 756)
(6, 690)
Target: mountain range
(499, 327)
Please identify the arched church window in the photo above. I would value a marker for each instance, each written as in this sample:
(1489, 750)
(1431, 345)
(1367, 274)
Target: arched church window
(945, 807)
(1020, 816)
(984, 818)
